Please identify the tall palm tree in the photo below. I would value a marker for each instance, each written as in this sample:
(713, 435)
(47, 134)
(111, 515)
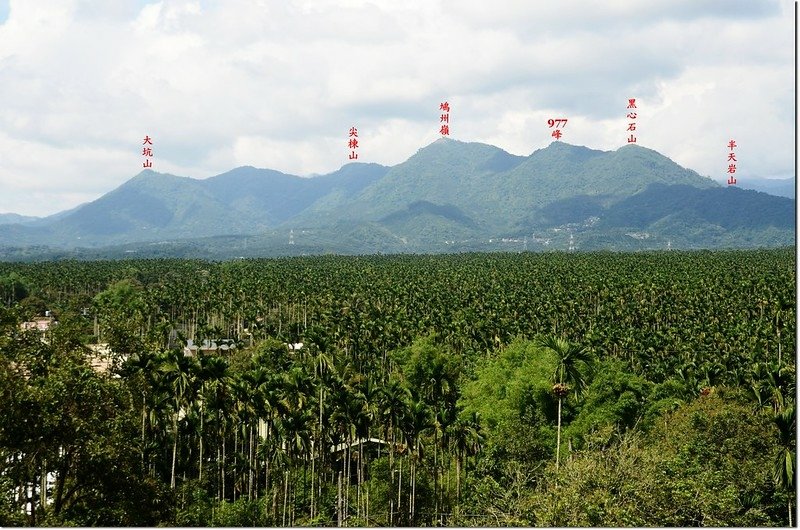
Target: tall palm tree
(467, 438)
(177, 373)
(212, 371)
(783, 471)
(141, 365)
(393, 406)
(781, 308)
(573, 364)
(417, 420)
(323, 373)
(368, 391)
(772, 385)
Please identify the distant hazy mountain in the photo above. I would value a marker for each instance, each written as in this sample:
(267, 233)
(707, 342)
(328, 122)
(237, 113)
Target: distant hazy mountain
(779, 187)
(449, 196)
(156, 206)
(13, 218)
(272, 197)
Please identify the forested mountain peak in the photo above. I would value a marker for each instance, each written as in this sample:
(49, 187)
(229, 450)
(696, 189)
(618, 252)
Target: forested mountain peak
(560, 149)
(450, 151)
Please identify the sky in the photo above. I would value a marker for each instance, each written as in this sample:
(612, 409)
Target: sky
(279, 83)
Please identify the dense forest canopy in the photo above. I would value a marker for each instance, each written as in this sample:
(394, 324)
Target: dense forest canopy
(580, 389)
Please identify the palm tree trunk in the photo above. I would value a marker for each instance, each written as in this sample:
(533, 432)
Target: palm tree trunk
(235, 452)
(200, 477)
(447, 487)
(251, 466)
(312, 479)
(219, 475)
(414, 482)
(144, 417)
(411, 490)
(43, 488)
(360, 471)
(349, 456)
(32, 499)
(321, 461)
(339, 502)
(274, 502)
(435, 470)
(292, 496)
(285, 493)
(413, 504)
(366, 489)
(174, 447)
(399, 487)
(558, 436)
(458, 481)
(266, 466)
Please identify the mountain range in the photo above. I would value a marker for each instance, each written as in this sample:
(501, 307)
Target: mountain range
(449, 196)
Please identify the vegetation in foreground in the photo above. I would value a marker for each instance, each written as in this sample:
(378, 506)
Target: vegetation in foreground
(592, 389)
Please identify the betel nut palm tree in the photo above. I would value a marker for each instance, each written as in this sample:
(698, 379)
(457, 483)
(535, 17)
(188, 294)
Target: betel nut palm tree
(573, 364)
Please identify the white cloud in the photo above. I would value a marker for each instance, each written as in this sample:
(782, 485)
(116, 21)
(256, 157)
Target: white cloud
(277, 84)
